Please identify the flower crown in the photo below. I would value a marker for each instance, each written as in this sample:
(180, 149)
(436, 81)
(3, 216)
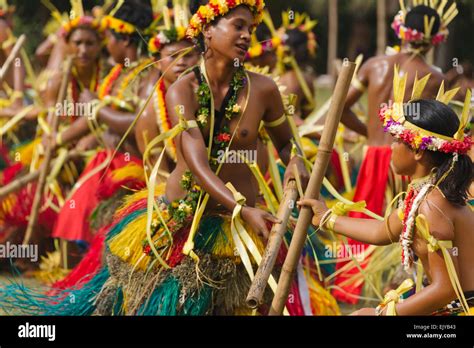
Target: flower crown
(75, 19)
(417, 138)
(117, 25)
(165, 37)
(216, 8)
(303, 23)
(170, 33)
(258, 48)
(412, 35)
(88, 21)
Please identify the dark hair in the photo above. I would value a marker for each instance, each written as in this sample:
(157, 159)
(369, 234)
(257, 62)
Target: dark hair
(437, 117)
(84, 27)
(415, 19)
(199, 41)
(298, 42)
(137, 12)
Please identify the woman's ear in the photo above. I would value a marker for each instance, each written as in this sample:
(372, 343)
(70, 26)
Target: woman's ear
(206, 31)
(419, 154)
(127, 41)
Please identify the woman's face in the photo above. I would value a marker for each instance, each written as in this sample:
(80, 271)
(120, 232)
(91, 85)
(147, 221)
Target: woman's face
(403, 158)
(84, 44)
(115, 47)
(168, 55)
(230, 37)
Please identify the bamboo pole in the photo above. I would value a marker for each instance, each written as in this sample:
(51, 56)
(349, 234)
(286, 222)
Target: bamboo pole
(33, 218)
(12, 55)
(288, 202)
(18, 183)
(332, 40)
(314, 186)
(381, 26)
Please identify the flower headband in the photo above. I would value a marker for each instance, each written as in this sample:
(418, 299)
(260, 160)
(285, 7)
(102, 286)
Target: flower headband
(75, 19)
(215, 8)
(165, 37)
(88, 21)
(417, 138)
(170, 32)
(117, 25)
(258, 48)
(303, 23)
(412, 35)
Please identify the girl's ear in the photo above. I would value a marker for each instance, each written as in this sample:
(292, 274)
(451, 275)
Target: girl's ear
(206, 31)
(419, 155)
(127, 41)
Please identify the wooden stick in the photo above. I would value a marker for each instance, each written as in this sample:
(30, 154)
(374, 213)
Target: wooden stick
(11, 57)
(288, 202)
(33, 218)
(319, 169)
(18, 183)
(381, 26)
(333, 36)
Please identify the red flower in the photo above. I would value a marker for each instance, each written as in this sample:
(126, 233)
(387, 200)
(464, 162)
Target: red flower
(230, 3)
(157, 43)
(215, 8)
(407, 136)
(223, 137)
(147, 249)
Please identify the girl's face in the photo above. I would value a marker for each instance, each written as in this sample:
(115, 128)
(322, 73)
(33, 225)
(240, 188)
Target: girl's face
(168, 55)
(115, 47)
(404, 158)
(84, 44)
(230, 37)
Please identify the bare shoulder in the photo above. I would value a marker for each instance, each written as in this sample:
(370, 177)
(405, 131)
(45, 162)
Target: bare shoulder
(182, 89)
(265, 84)
(375, 68)
(440, 214)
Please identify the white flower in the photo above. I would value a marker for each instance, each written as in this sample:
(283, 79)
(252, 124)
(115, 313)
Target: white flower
(163, 38)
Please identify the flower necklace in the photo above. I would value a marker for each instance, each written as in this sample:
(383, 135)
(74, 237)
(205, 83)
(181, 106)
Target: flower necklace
(180, 212)
(75, 87)
(164, 122)
(417, 191)
(131, 75)
(134, 69)
(231, 109)
(106, 86)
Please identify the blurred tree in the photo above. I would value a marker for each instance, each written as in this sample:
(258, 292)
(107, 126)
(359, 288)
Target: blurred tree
(357, 26)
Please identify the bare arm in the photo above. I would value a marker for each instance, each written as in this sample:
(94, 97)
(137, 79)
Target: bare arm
(370, 231)
(349, 118)
(364, 230)
(282, 135)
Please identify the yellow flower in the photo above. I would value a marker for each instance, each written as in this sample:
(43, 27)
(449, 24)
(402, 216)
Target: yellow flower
(276, 41)
(417, 141)
(175, 204)
(202, 118)
(181, 32)
(236, 108)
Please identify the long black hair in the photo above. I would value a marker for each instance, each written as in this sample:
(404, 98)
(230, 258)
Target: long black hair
(137, 12)
(437, 117)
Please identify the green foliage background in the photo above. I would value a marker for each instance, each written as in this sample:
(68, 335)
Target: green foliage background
(31, 17)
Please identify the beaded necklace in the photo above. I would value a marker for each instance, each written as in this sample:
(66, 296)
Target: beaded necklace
(417, 191)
